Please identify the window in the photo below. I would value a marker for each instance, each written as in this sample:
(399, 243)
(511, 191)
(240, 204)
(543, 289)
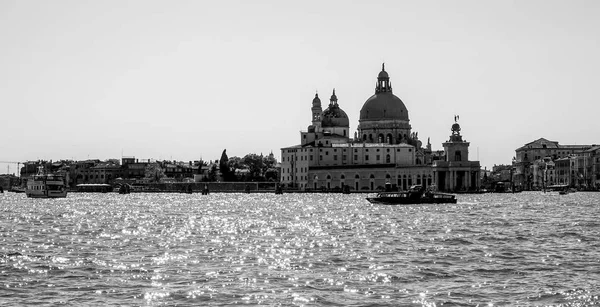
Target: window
(355, 157)
(344, 157)
(387, 158)
(327, 153)
(335, 157)
(311, 158)
(321, 157)
(366, 157)
(378, 157)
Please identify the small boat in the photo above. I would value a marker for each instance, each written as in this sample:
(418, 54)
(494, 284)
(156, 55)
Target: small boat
(124, 189)
(46, 185)
(415, 195)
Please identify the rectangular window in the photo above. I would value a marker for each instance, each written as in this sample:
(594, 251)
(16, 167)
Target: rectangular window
(335, 150)
(378, 157)
(344, 157)
(311, 158)
(366, 157)
(321, 157)
(335, 157)
(327, 153)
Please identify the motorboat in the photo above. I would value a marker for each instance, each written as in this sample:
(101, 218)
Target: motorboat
(415, 195)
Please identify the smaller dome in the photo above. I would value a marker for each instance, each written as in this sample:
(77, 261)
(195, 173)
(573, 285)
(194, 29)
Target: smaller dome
(334, 116)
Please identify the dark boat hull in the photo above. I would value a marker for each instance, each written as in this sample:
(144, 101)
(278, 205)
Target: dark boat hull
(408, 201)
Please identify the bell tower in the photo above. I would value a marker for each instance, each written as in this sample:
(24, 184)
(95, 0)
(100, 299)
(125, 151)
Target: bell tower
(316, 110)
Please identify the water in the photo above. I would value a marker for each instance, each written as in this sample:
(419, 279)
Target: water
(527, 249)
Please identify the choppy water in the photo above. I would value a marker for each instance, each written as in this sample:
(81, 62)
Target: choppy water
(527, 249)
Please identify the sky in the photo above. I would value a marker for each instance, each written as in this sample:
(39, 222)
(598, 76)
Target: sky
(184, 80)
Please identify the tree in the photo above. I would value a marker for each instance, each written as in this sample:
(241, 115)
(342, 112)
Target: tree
(212, 173)
(255, 165)
(154, 172)
(224, 167)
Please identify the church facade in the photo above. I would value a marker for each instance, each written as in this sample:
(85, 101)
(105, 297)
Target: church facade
(383, 150)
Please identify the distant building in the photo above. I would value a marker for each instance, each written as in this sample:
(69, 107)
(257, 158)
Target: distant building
(543, 162)
(382, 151)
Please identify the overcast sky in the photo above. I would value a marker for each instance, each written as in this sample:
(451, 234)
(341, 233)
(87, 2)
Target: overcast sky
(184, 80)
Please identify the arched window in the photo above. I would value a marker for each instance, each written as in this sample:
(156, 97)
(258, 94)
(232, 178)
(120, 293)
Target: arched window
(328, 176)
(388, 138)
(372, 176)
(342, 176)
(457, 156)
(387, 176)
(364, 137)
(380, 138)
(356, 176)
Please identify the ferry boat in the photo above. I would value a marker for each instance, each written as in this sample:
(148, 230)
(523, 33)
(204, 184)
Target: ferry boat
(415, 195)
(46, 186)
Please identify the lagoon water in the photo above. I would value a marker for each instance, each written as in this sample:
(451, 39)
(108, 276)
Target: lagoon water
(526, 249)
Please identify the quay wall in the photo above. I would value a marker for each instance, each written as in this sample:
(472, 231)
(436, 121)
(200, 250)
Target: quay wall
(198, 187)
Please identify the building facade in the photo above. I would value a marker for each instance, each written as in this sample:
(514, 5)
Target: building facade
(383, 150)
(543, 163)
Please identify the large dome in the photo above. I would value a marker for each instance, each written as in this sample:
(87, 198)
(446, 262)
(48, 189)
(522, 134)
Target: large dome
(334, 117)
(384, 105)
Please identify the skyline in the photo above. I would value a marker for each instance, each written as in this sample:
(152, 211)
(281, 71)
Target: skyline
(185, 80)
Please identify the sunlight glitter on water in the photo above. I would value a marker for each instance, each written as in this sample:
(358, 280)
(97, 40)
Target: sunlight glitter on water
(299, 249)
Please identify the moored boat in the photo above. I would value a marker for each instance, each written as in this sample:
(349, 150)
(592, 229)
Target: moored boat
(46, 186)
(415, 195)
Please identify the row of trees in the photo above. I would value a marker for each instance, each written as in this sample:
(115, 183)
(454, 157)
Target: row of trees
(251, 167)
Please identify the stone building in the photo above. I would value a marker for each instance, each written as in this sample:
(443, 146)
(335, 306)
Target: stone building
(383, 150)
(575, 165)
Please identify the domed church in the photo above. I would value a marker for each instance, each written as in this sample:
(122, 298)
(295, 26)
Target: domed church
(382, 152)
